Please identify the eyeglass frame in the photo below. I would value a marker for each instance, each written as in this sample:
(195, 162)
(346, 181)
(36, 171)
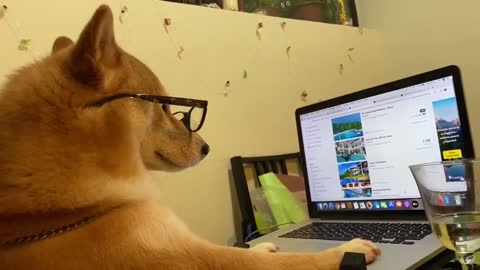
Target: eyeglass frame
(187, 102)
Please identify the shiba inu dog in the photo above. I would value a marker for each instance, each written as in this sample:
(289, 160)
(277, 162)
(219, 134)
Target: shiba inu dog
(78, 132)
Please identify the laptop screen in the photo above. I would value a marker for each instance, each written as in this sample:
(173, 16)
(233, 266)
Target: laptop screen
(357, 153)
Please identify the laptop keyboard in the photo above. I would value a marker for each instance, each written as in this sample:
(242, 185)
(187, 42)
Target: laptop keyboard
(392, 233)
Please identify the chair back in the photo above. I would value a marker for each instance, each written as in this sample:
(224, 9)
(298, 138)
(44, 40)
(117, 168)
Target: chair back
(245, 172)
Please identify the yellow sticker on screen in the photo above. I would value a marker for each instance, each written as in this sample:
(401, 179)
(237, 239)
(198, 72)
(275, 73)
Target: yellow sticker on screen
(452, 154)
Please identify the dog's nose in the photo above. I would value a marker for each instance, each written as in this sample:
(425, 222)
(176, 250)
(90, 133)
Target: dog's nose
(205, 149)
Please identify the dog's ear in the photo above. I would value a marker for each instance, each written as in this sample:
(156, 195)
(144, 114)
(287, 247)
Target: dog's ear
(60, 43)
(96, 51)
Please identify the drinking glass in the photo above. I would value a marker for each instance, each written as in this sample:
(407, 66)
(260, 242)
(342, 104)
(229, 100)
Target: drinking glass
(450, 192)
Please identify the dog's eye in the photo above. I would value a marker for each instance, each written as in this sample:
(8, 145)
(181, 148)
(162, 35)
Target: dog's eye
(165, 108)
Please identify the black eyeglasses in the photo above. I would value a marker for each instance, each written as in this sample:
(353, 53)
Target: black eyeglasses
(192, 119)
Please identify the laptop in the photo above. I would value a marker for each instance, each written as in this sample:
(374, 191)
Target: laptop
(355, 152)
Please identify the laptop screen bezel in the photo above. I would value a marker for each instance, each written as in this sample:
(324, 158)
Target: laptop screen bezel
(452, 70)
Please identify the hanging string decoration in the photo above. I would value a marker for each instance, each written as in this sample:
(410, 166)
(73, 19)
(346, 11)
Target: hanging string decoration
(225, 89)
(25, 43)
(259, 29)
(123, 14)
(3, 10)
(349, 54)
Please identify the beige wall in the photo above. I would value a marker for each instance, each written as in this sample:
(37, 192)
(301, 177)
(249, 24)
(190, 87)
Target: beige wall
(426, 34)
(258, 115)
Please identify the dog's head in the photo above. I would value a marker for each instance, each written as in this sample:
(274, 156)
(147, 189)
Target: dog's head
(52, 141)
(95, 67)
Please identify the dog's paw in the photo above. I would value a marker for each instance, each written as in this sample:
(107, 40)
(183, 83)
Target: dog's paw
(265, 247)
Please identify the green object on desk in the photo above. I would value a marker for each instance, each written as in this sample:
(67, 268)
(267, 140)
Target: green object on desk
(284, 206)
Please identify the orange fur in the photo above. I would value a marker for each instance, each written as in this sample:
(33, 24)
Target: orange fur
(60, 161)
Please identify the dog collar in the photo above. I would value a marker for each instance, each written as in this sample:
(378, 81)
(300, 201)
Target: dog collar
(30, 238)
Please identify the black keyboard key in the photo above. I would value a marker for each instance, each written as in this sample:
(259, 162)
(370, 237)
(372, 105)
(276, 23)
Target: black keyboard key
(384, 241)
(408, 243)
